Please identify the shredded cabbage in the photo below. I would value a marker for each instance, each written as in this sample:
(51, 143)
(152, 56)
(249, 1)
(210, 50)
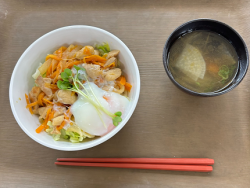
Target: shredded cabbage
(63, 134)
(74, 137)
(74, 133)
(103, 49)
(51, 130)
(37, 73)
(56, 136)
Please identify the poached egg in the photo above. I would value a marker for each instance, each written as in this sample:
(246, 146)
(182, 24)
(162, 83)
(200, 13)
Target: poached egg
(86, 115)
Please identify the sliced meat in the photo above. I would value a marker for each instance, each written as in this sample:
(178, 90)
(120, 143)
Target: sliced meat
(59, 110)
(113, 74)
(40, 81)
(47, 80)
(74, 51)
(57, 120)
(119, 88)
(96, 52)
(86, 51)
(108, 88)
(35, 91)
(93, 71)
(43, 112)
(55, 96)
(54, 63)
(66, 97)
(113, 53)
(67, 51)
(49, 98)
(110, 61)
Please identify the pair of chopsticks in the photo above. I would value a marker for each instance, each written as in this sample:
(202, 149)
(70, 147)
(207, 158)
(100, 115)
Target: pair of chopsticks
(173, 164)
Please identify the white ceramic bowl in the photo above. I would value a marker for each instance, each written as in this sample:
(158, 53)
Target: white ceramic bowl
(22, 82)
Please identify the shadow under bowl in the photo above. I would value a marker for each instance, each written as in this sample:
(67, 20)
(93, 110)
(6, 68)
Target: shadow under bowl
(220, 28)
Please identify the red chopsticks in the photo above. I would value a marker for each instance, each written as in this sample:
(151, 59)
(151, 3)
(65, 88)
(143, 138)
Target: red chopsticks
(175, 164)
(191, 161)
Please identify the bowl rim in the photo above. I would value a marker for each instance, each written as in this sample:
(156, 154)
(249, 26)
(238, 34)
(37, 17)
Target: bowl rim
(100, 139)
(208, 94)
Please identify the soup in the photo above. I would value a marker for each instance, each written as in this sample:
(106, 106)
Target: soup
(203, 61)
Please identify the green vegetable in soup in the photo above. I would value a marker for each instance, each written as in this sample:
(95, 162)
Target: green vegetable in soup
(226, 72)
(223, 72)
(198, 83)
(232, 69)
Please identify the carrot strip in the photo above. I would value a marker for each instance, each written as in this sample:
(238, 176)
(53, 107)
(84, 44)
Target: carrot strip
(54, 65)
(41, 127)
(105, 98)
(28, 102)
(128, 86)
(123, 80)
(70, 65)
(61, 126)
(68, 114)
(98, 63)
(86, 51)
(59, 104)
(51, 115)
(49, 70)
(63, 65)
(73, 48)
(54, 90)
(58, 71)
(32, 104)
(60, 51)
(40, 97)
(111, 65)
(52, 86)
(47, 101)
(95, 58)
(53, 75)
(53, 57)
(46, 127)
(47, 115)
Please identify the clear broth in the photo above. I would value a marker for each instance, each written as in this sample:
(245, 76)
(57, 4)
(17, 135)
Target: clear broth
(203, 61)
